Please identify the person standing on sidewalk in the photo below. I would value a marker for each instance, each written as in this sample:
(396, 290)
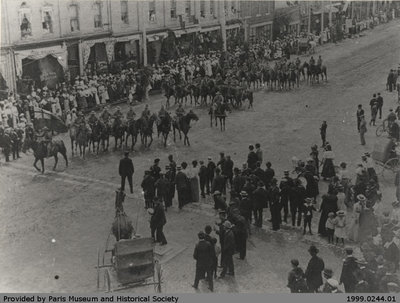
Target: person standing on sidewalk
(228, 250)
(202, 178)
(126, 170)
(350, 266)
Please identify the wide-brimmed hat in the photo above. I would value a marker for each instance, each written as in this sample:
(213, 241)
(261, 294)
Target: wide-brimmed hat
(331, 214)
(340, 213)
(333, 283)
(243, 193)
(150, 211)
(361, 198)
(217, 192)
(227, 225)
(308, 200)
(313, 249)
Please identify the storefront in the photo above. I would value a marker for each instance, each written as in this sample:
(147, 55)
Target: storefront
(261, 31)
(154, 44)
(6, 71)
(209, 39)
(126, 52)
(97, 55)
(44, 66)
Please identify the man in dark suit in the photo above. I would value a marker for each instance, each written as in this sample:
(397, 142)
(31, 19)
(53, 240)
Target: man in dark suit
(314, 270)
(252, 158)
(126, 170)
(203, 178)
(350, 266)
(158, 220)
(204, 254)
(210, 174)
(181, 182)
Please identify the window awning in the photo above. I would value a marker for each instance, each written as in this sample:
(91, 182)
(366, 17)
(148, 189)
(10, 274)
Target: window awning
(156, 37)
(210, 29)
(58, 52)
(128, 38)
(232, 26)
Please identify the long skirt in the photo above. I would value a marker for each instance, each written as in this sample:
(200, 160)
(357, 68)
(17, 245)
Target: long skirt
(353, 230)
(328, 170)
(194, 188)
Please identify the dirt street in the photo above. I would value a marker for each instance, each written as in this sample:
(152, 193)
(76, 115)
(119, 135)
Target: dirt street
(53, 224)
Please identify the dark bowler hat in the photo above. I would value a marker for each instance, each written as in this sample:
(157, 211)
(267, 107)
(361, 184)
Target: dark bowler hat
(313, 249)
(126, 153)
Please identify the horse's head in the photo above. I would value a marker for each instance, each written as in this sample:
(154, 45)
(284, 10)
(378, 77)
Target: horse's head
(192, 116)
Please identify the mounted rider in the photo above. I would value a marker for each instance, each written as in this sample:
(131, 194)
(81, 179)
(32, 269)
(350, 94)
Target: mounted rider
(29, 131)
(218, 98)
(118, 115)
(312, 61)
(297, 63)
(130, 115)
(92, 118)
(80, 119)
(105, 115)
(162, 112)
(319, 61)
(146, 112)
(45, 138)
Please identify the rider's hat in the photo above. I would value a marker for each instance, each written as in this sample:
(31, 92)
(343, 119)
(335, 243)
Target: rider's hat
(45, 128)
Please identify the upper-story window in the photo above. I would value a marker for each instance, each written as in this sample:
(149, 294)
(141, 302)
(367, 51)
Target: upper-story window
(98, 19)
(47, 20)
(212, 5)
(152, 11)
(74, 17)
(25, 17)
(124, 12)
(203, 8)
(187, 8)
(173, 8)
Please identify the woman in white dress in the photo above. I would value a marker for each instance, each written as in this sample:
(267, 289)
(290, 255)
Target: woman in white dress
(194, 181)
(355, 219)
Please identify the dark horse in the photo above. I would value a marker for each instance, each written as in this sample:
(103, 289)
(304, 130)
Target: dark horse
(99, 135)
(220, 113)
(183, 124)
(131, 130)
(42, 150)
(319, 70)
(118, 132)
(145, 126)
(164, 127)
(168, 92)
(122, 227)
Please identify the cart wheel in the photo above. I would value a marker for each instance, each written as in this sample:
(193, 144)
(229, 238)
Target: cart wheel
(392, 166)
(157, 277)
(98, 268)
(107, 280)
(379, 130)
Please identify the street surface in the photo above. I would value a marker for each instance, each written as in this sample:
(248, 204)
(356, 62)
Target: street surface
(53, 224)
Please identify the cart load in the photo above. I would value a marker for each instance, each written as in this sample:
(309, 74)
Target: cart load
(134, 260)
(383, 151)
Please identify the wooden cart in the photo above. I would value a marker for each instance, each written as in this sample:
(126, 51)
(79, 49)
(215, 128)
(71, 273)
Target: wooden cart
(386, 155)
(132, 265)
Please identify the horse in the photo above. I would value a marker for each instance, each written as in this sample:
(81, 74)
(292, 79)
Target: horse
(118, 132)
(42, 150)
(282, 79)
(164, 127)
(183, 125)
(309, 71)
(293, 78)
(146, 129)
(168, 92)
(320, 70)
(220, 113)
(95, 136)
(82, 138)
(122, 227)
(181, 92)
(5, 143)
(133, 131)
(203, 92)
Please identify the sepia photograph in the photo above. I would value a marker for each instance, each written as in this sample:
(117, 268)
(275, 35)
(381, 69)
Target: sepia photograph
(163, 147)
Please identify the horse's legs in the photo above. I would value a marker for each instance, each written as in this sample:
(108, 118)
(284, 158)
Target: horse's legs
(34, 164)
(215, 118)
(151, 140)
(55, 161)
(72, 146)
(64, 154)
(42, 162)
(187, 139)
(174, 133)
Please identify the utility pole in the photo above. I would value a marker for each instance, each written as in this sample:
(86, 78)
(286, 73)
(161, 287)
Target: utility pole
(222, 20)
(144, 35)
(309, 17)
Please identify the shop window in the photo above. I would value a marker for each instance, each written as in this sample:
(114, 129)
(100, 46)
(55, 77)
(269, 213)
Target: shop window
(173, 9)
(98, 20)
(74, 17)
(203, 8)
(187, 8)
(25, 24)
(152, 11)
(47, 20)
(124, 12)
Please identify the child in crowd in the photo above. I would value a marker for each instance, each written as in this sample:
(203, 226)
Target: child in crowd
(340, 226)
(308, 214)
(330, 227)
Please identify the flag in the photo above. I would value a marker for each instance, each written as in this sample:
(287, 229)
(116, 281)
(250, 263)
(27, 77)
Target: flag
(51, 121)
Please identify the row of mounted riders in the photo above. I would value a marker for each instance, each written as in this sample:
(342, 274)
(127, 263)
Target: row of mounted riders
(98, 132)
(278, 77)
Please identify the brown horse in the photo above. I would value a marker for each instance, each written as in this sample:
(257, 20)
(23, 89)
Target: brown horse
(42, 150)
(145, 126)
(183, 125)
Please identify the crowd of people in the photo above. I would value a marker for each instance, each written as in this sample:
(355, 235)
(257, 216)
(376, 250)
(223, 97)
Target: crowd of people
(350, 213)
